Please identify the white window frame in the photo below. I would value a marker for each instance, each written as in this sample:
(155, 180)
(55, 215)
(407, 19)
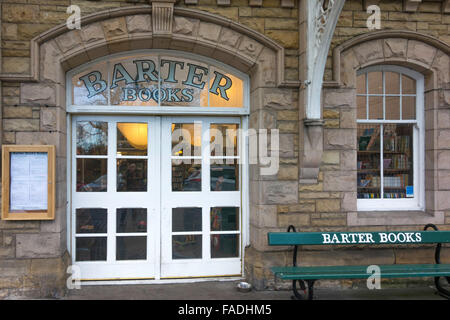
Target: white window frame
(417, 203)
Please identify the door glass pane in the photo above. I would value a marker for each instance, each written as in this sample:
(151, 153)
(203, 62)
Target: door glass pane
(92, 138)
(392, 82)
(368, 161)
(131, 220)
(392, 108)
(91, 220)
(224, 219)
(132, 139)
(186, 175)
(397, 161)
(91, 175)
(224, 175)
(187, 247)
(186, 219)
(132, 175)
(224, 140)
(224, 245)
(90, 249)
(409, 108)
(131, 248)
(186, 139)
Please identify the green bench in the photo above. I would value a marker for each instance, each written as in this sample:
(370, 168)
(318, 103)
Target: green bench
(311, 274)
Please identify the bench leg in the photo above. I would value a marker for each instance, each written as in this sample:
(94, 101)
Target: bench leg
(443, 292)
(309, 294)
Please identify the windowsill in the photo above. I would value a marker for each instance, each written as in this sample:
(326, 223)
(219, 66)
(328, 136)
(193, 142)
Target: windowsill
(394, 218)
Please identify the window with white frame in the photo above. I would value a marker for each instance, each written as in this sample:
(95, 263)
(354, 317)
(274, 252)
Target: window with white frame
(390, 139)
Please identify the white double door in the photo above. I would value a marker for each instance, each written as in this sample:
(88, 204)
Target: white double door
(156, 197)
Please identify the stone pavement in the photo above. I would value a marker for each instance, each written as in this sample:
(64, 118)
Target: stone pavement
(226, 290)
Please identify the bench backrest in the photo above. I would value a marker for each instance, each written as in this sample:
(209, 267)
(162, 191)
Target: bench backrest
(344, 238)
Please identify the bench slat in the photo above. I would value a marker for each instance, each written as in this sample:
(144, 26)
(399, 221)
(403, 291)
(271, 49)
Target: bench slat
(349, 238)
(360, 272)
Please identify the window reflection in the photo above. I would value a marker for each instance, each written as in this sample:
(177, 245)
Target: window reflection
(131, 175)
(186, 219)
(187, 247)
(132, 139)
(91, 249)
(92, 138)
(91, 175)
(91, 220)
(186, 176)
(223, 139)
(224, 175)
(131, 220)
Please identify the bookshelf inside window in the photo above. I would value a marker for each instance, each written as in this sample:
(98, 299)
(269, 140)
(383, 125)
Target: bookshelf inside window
(384, 163)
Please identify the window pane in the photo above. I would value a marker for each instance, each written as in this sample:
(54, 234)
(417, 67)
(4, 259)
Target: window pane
(226, 90)
(408, 85)
(131, 175)
(130, 88)
(376, 108)
(131, 248)
(90, 87)
(392, 108)
(186, 139)
(180, 90)
(408, 108)
(91, 249)
(225, 219)
(186, 175)
(375, 82)
(224, 175)
(368, 161)
(131, 220)
(224, 245)
(187, 247)
(132, 139)
(91, 220)
(397, 161)
(91, 175)
(361, 84)
(92, 138)
(392, 82)
(224, 139)
(361, 107)
(186, 219)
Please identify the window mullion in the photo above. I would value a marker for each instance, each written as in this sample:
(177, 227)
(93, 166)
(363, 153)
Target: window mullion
(381, 162)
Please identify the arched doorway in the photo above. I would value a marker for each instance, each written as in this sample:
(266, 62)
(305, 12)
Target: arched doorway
(157, 166)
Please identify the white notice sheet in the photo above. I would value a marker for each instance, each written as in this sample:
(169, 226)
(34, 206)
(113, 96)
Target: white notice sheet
(28, 189)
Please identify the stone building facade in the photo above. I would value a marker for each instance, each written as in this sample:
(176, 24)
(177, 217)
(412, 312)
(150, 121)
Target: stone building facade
(316, 186)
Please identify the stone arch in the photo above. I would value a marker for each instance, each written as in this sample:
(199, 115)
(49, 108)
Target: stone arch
(416, 51)
(130, 28)
(421, 52)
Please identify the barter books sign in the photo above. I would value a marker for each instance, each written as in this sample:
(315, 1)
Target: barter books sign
(157, 80)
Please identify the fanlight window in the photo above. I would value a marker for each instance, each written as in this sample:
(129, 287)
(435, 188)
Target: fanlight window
(157, 80)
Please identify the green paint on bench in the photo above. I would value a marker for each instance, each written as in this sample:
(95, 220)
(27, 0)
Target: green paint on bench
(346, 238)
(360, 272)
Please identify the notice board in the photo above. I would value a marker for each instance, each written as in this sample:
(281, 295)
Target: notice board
(28, 182)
